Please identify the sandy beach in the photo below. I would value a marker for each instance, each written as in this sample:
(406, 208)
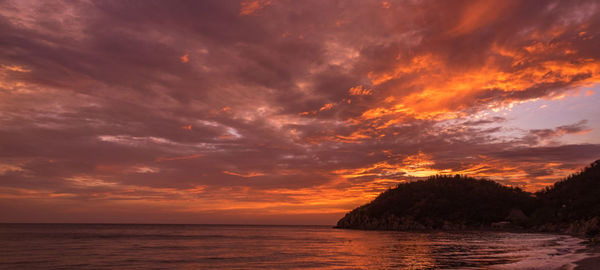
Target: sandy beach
(591, 263)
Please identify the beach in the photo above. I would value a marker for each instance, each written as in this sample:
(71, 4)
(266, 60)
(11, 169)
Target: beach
(590, 263)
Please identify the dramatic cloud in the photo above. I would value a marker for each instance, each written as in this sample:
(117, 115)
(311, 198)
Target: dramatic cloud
(284, 111)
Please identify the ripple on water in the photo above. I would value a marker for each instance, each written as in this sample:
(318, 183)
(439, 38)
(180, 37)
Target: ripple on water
(39, 246)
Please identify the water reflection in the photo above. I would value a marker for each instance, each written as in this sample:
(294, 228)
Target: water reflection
(202, 246)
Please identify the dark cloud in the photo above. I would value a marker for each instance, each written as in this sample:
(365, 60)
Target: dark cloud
(576, 128)
(493, 120)
(225, 109)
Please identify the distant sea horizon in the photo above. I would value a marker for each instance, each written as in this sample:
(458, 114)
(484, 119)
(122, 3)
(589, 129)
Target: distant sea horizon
(242, 246)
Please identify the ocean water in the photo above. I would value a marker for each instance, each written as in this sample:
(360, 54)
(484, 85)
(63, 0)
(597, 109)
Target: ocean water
(103, 246)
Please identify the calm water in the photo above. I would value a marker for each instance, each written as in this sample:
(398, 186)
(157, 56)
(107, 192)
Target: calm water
(47, 246)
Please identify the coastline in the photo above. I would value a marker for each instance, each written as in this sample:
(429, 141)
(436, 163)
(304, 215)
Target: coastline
(592, 262)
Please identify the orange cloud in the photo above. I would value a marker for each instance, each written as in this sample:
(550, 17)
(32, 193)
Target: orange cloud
(8, 168)
(418, 165)
(14, 68)
(307, 113)
(442, 92)
(390, 82)
(326, 107)
(245, 175)
(355, 137)
(8, 81)
(251, 6)
(360, 91)
(185, 58)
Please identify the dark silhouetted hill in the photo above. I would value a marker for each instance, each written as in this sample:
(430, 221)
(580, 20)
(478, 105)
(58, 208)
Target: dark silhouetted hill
(454, 203)
(571, 205)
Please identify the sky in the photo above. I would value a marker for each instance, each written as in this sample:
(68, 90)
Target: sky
(284, 112)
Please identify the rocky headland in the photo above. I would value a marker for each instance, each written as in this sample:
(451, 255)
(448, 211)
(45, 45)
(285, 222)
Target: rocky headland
(569, 206)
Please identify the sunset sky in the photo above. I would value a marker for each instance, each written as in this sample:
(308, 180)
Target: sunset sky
(284, 112)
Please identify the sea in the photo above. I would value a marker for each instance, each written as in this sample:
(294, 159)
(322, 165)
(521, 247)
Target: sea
(134, 246)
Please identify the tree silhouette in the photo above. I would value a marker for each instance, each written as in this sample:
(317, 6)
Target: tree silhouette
(460, 202)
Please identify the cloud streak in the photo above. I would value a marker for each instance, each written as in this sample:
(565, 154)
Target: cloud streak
(277, 111)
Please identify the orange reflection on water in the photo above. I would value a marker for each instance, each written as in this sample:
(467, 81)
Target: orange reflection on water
(382, 249)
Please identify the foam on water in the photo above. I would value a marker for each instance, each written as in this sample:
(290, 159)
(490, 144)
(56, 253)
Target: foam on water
(561, 254)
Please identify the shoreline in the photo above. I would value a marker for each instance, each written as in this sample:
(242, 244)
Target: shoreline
(589, 263)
